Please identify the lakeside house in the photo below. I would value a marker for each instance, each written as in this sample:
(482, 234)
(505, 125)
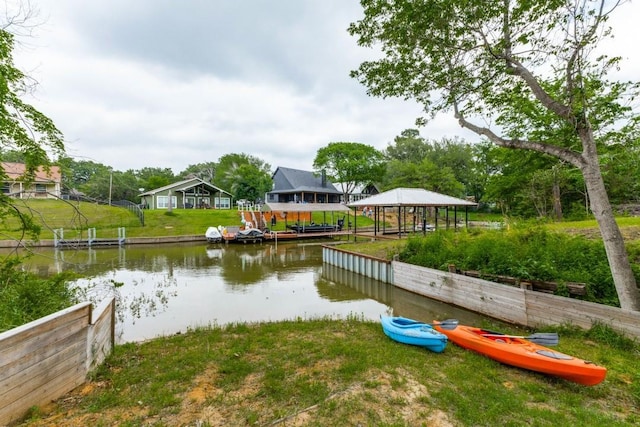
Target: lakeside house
(358, 192)
(186, 194)
(299, 186)
(46, 182)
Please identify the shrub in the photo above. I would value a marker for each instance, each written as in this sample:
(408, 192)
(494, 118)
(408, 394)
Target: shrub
(25, 297)
(531, 253)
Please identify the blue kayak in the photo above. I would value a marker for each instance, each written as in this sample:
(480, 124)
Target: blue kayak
(412, 332)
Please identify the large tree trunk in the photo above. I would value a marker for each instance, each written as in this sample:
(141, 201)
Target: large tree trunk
(623, 277)
(589, 165)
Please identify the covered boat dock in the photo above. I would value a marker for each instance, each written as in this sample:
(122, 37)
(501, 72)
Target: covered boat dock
(413, 207)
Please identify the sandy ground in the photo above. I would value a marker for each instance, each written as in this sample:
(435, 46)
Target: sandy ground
(204, 405)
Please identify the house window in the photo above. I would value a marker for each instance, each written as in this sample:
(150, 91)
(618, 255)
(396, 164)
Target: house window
(41, 188)
(197, 191)
(163, 202)
(222, 202)
(6, 188)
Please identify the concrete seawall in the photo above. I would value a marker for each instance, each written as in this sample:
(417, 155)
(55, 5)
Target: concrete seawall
(49, 243)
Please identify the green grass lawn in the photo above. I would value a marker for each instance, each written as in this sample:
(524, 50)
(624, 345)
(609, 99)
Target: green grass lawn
(341, 373)
(76, 217)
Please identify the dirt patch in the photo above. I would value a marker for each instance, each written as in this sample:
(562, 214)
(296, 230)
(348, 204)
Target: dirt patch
(387, 397)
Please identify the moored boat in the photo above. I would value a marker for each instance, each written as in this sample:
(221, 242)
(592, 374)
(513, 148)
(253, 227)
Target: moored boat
(408, 331)
(314, 228)
(249, 235)
(523, 353)
(317, 228)
(213, 235)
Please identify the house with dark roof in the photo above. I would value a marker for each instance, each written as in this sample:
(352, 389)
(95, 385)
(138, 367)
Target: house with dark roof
(187, 194)
(357, 192)
(298, 186)
(46, 183)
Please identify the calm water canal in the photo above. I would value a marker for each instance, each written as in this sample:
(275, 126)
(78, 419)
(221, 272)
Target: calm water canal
(166, 289)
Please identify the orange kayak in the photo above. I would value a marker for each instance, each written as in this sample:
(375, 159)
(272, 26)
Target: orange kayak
(521, 353)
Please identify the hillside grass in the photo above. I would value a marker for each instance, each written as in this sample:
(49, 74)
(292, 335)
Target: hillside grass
(76, 217)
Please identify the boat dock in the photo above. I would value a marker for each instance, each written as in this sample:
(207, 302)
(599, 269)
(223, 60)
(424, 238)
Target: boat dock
(90, 242)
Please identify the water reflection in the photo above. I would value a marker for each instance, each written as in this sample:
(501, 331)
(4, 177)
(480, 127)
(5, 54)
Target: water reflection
(399, 301)
(166, 289)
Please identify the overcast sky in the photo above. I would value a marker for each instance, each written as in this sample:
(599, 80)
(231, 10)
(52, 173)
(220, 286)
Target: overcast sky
(168, 83)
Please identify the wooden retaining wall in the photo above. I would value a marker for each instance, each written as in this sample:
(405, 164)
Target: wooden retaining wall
(499, 301)
(512, 304)
(520, 306)
(46, 358)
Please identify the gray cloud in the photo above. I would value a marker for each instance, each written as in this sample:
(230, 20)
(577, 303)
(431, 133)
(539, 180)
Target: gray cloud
(165, 83)
(279, 41)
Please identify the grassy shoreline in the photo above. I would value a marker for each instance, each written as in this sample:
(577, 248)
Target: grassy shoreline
(339, 372)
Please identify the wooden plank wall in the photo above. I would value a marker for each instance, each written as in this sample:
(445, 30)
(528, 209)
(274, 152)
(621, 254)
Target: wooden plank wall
(46, 358)
(520, 306)
(495, 300)
(101, 334)
(545, 308)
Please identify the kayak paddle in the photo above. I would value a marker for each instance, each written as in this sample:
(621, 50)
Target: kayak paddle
(542, 338)
(448, 324)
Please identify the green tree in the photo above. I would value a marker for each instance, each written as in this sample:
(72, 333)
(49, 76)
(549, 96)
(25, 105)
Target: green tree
(444, 166)
(125, 186)
(523, 66)
(424, 174)
(621, 169)
(251, 183)
(30, 137)
(23, 129)
(98, 183)
(150, 178)
(12, 156)
(457, 155)
(349, 164)
(77, 173)
(510, 182)
(409, 146)
(484, 167)
(204, 171)
(243, 175)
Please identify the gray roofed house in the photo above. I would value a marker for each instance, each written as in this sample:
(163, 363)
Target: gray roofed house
(187, 194)
(298, 186)
(358, 192)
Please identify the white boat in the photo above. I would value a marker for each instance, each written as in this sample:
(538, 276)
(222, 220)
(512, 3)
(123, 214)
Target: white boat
(213, 235)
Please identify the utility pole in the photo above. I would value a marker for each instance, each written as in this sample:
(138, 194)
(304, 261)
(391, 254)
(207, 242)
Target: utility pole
(110, 184)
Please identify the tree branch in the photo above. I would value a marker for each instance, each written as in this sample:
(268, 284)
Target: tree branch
(567, 155)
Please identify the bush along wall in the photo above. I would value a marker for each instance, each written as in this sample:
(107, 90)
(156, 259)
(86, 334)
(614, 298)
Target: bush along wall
(527, 254)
